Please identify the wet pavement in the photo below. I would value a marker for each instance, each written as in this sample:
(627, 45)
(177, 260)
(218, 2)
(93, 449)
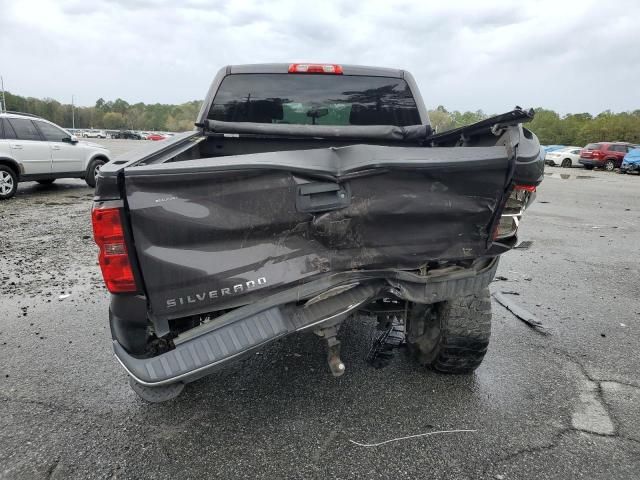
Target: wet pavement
(562, 405)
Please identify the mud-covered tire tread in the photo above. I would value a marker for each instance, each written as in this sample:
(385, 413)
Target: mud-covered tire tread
(465, 329)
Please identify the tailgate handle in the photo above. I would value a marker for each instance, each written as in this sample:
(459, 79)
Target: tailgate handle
(322, 196)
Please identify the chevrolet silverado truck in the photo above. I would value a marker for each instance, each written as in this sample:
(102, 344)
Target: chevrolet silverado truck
(306, 194)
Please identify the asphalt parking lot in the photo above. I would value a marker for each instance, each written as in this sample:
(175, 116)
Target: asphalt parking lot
(561, 405)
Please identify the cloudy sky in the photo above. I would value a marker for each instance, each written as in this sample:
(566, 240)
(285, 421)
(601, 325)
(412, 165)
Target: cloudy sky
(493, 54)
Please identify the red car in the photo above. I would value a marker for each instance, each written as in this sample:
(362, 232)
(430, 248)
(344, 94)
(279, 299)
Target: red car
(607, 155)
(156, 136)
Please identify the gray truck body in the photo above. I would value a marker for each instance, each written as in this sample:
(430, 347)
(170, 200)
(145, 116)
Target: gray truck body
(249, 232)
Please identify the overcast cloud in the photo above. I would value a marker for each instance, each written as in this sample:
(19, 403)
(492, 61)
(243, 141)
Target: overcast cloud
(491, 55)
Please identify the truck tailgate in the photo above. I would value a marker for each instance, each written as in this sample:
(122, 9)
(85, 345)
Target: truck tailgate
(220, 232)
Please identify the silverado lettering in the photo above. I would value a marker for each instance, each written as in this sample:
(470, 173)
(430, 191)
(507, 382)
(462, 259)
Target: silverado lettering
(213, 294)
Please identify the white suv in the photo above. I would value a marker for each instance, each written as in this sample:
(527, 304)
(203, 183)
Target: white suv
(32, 148)
(94, 134)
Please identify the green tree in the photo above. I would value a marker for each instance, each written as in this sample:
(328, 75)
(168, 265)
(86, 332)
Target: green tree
(114, 120)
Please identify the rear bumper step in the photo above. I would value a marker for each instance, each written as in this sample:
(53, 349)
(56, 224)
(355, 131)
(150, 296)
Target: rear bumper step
(196, 356)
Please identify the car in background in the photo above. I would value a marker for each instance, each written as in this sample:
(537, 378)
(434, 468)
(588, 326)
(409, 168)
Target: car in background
(565, 157)
(552, 148)
(156, 137)
(607, 155)
(34, 149)
(127, 134)
(94, 134)
(631, 162)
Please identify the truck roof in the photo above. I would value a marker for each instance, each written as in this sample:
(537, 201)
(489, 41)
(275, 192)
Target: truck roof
(346, 69)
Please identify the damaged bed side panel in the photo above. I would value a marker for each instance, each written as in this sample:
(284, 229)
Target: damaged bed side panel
(213, 233)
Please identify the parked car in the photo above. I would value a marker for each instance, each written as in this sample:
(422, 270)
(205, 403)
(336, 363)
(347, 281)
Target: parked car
(552, 148)
(265, 222)
(127, 134)
(32, 148)
(156, 136)
(631, 161)
(94, 134)
(565, 157)
(607, 155)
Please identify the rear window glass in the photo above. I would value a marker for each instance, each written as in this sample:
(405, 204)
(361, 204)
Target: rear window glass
(5, 130)
(25, 129)
(593, 146)
(314, 100)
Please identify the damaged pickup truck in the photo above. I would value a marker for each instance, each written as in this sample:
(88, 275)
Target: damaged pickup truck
(306, 194)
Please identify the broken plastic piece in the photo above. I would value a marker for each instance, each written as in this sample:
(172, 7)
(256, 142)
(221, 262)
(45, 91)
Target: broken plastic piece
(524, 315)
(390, 339)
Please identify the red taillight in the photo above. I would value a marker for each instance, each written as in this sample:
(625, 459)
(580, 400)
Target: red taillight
(526, 188)
(330, 69)
(596, 154)
(113, 258)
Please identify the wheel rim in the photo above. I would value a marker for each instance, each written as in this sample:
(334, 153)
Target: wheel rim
(6, 183)
(96, 170)
(609, 165)
(566, 163)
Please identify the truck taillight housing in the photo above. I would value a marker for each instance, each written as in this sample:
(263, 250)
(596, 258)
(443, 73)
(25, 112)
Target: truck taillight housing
(330, 69)
(113, 257)
(520, 198)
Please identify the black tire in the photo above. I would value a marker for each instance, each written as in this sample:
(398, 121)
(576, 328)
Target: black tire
(92, 171)
(566, 163)
(46, 182)
(452, 336)
(8, 182)
(610, 165)
(156, 394)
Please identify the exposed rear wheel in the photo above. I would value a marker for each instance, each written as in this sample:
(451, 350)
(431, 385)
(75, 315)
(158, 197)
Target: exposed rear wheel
(566, 163)
(8, 182)
(609, 166)
(47, 182)
(452, 336)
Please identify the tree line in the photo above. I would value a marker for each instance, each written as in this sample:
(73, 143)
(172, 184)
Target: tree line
(111, 115)
(554, 129)
(551, 127)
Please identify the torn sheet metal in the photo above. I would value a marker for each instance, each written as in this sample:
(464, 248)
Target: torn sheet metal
(235, 233)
